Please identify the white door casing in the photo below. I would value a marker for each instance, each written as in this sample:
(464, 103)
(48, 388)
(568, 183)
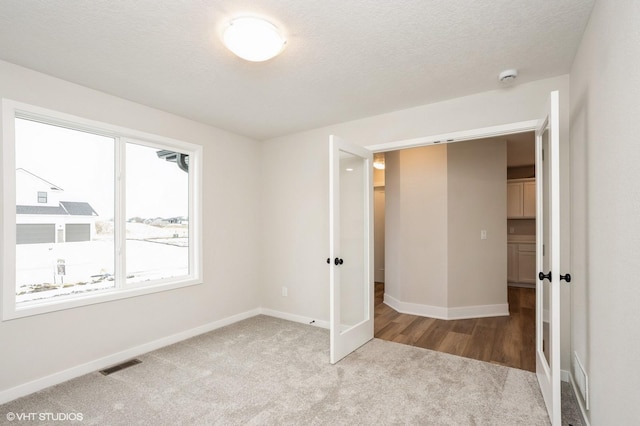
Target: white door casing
(350, 247)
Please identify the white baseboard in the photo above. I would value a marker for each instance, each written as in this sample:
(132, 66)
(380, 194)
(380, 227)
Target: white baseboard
(479, 311)
(295, 318)
(104, 362)
(462, 312)
(415, 308)
(110, 360)
(576, 393)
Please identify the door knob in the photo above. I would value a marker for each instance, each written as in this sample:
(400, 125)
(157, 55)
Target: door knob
(542, 276)
(567, 278)
(329, 260)
(337, 261)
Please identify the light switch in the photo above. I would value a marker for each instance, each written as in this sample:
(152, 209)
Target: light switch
(483, 234)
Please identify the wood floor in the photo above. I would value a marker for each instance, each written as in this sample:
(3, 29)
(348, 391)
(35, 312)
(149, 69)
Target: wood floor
(505, 340)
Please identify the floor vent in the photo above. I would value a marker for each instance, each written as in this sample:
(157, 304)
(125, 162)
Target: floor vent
(581, 379)
(119, 367)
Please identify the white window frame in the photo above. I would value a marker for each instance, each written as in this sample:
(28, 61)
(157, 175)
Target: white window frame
(12, 110)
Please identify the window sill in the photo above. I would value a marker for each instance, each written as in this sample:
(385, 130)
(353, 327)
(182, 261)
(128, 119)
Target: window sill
(28, 309)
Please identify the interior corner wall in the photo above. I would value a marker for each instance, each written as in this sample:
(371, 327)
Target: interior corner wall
(439, 198)
(416, 226)
(605, 198)
(378, 233)
(477, 200)
(393, 231)
(78, 336)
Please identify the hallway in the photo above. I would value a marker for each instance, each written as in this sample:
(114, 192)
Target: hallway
(508, 341)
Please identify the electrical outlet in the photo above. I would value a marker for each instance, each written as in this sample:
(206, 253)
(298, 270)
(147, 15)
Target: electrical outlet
(285, 292)
(483, 234)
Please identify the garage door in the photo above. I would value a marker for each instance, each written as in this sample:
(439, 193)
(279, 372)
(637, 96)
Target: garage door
(77, 232)
(35, 233)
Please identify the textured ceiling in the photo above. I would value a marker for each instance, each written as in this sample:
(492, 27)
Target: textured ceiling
(345, 59)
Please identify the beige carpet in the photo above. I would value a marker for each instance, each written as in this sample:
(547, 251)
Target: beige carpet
(269, 371)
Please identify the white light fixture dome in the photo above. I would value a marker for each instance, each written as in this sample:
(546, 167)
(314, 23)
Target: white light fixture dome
(508, 76)
(253, 39)
(378, 161)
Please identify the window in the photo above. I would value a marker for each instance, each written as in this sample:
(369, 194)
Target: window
(121, 216)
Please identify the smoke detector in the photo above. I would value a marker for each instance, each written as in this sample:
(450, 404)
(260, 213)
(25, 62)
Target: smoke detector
(508, 76)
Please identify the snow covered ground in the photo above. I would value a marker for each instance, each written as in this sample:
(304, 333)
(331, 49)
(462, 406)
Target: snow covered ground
(152, 253)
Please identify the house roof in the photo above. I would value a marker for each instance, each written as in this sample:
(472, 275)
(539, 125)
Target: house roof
(65, 208)
(49, 210)
(52, 186)
(78, 208)
(182, 160)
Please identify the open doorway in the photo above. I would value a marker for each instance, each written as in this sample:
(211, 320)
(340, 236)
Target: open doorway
(521, 210)
(473, 186)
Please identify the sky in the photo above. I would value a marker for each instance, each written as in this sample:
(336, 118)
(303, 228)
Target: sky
(82, 164)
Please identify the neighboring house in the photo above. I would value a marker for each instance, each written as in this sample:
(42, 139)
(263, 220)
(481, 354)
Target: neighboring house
(41, 216)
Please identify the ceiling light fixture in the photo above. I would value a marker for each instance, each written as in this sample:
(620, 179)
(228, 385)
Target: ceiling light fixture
(508, 76)
(378, 161)
(253, 39)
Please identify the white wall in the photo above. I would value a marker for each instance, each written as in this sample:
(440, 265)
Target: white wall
(378, 224)
(439, 198)
(378, 233)
(416, 225)
(477, 200)
(605, 197)
(38, 346)
(295, 226)
(392, 240)
(295, 180)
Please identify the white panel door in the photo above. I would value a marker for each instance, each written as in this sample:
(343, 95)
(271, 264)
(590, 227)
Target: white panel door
(351, 247)
(548, 257)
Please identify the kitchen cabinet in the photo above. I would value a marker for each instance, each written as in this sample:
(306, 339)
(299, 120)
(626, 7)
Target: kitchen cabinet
(521, 199)
(527, 263)
(521, 263)
(512, 263)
